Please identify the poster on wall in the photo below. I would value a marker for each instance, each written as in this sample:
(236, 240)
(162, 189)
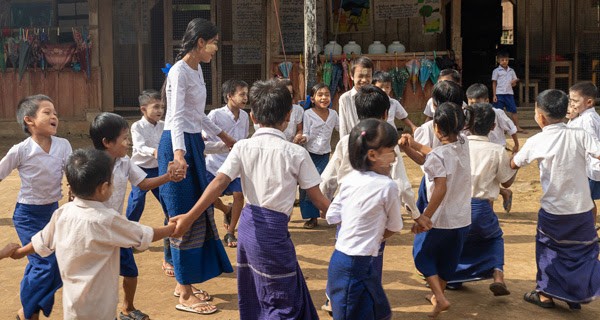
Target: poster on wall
(427, 10)
(351, 16)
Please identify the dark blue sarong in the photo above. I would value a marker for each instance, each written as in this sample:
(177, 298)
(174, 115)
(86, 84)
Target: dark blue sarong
(354, 288)
(199, 255)
(270, 282)
(567, 257)
(307, 208)
(42, 276)
(422, 196)
(483, 251)
(436, 252)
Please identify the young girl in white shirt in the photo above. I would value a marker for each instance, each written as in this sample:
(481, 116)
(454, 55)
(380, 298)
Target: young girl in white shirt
(368, 208)
(448, 215)
(40, 160)
(318, 125)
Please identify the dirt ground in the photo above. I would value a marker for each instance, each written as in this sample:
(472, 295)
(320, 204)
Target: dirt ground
(404, 288)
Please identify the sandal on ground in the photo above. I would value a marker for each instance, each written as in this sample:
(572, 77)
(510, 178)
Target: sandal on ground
(534, 297)
(230, 240)
(327, 307)
(499, 289)
(169, 271)
(311, 224)
(205, 308)
(507, 204)
(134, 315)
(200, 294)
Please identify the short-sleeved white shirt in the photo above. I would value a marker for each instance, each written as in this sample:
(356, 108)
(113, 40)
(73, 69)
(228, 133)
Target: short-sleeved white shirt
(123, 170)
(561, 155)
(429, 108)
(87, 237)
(366, 206)
(237, 129)
(296, 118)
(270, 168)
(396, 111)
(490, 166)
(503, 125)
(503, 78)
(318, 132)
(40, 172)
(347, 112)
(589, 120)
(145, 137)
(452, 162)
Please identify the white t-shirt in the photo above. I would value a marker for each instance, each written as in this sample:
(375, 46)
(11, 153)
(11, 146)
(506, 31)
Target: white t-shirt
(40, 172)
(318, 132)
(123, 170)
(296, 118)
(270, 168)
(145, 137)
(237, 129)
(490, 166)
(589, 120)
(366, 206)
(503, 125)
(503, 78)
(347, 109)
(561, 155)
(396, 111)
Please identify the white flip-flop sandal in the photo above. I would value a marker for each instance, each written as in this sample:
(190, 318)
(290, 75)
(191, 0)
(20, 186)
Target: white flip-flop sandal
(193, 307)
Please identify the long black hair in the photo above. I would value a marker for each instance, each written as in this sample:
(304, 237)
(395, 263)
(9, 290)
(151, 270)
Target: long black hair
(197, 29)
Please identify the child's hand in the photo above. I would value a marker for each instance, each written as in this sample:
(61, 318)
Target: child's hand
(515, 149)
(8, 250)
(514, 82)
(424, 222)
(18, 253)
(406, 141)
(299, 139)
(175, 174)
(494, 99)
(183, 223)
(155, 154)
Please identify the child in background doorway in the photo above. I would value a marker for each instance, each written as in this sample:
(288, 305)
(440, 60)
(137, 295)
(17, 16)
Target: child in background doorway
(383, 80)
(504, 79)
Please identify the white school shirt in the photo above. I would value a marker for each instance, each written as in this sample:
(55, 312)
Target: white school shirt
(503, 78)
(186, 100)
(490, 166)
(561, 155)
(452, 162)
(87, 237)
(123, 170)
(589, 120)
(396, 111)
(318, 132)
(347, 112)
(145, 137)
(40, 172)
(429, 108)
(339, 166)
(503, 125)
(296, 118)
(366, 206)
(425, 135)
(270, 168)
(237, 129)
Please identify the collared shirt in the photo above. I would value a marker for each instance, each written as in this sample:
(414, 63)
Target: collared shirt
(561, 155)
(348, 116)
(425, 135)
(429, 108)
(40, 172)
(589, 120)
(366, 206)
(318, 132)
(87, 237)
(452, 162)
(145, 137)
(123, 170)
(270, 168)
(396, 111)
(186, 100)
(490, 166)
(237, 129)
(339, 166)
(296, 118)
(503, 125)
(503, 78)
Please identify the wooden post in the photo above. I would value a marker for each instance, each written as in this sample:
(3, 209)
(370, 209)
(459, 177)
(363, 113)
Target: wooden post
(575, 21)
(140, 46)
(553, 25)
(456, 31)
(310, 43)
(105, 34)
(527, 49)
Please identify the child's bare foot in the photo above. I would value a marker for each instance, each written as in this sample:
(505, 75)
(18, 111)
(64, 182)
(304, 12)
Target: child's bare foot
(439, 306)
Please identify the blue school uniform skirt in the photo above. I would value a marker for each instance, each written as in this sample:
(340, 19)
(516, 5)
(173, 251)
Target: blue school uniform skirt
(42, 277)
(437, 251)
(199, 255)
(354, 288)
(567, 257)
(422, 196)
(270, 282)
(483, 250)
(307, 208)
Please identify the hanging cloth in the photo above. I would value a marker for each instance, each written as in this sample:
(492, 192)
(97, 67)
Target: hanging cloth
(435, 69)
(425, 72)
(301, 79)
(400, 77)
(413, 69)
(24, 52)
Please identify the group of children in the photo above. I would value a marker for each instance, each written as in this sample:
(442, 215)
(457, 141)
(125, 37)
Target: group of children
(362, 188)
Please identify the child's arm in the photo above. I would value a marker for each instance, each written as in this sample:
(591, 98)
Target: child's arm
(8, 250)
(516, 143)
(329, 177)
(151, 183)
(413, 149)
(494, 85)
(410, 124)
(318, 199)
(163, 232)
(299, 138)
(23, 251)
(387, 233)
(438, 194)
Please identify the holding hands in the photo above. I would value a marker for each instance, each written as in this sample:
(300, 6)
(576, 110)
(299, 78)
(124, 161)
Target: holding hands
(422, 224)
(8, 250)
(183, 223)
(299, 139)
(176, 174)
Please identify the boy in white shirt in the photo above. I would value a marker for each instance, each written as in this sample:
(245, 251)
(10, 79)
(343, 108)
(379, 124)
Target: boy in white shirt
(383, 80)
(504, 79)
(270, 168)
(232, 119)
(566, 241)
(86, 236)
(445, 75)
(361, 73)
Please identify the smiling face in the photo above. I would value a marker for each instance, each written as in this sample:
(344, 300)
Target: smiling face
(322, 98)
(385, 86)
(382, 160)
(361, 76)
(207, 49)
(153, 111)
(239, 99)
(45, 121)
(120, 146)
(578, 102)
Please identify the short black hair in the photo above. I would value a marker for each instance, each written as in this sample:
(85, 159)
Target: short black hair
(449, 118)
(28, 107)
(270, 102)
(87, 169)
(371, 102)
(447, 91)
(553, 103)
(453, 73)
(362, 61)
(503, 54)
(148, 96)
(229, 87)
(478, 91)
(366, 135)
(482, 119)
(313, 93)
(107, 126)
(381, 76)
(586, 89)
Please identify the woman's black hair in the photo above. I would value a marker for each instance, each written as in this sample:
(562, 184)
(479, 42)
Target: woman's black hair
(366, 135)
(314, 90)
(197, 29)
(450, 119)
(482, 118)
